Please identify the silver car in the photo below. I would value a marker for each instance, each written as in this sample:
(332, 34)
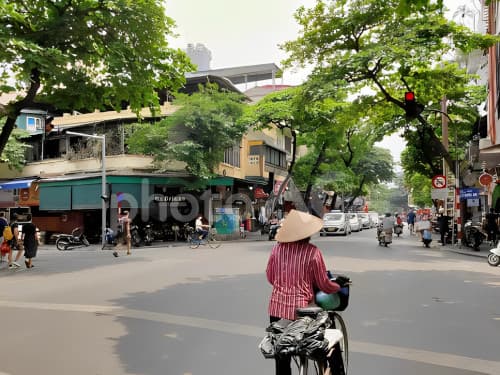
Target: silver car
(365, 220)
(335, 223)
(355, 222)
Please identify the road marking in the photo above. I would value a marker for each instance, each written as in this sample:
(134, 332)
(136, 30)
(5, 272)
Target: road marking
(410, 354)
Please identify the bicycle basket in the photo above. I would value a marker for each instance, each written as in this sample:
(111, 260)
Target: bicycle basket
(335, 301)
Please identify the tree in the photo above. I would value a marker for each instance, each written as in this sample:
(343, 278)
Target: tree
(206, 124)
(85, 54)
(371, 48)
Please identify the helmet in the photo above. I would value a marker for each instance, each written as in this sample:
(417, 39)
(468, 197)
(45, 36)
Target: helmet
(327, 301)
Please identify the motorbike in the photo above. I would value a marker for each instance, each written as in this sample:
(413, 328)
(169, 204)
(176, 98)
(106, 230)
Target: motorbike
(71, 241)
(473, 235)
(426, 237)
(273, 229)
(494, 257)
(398, 229)
(135, 236)
(148, 235)
(384, 238)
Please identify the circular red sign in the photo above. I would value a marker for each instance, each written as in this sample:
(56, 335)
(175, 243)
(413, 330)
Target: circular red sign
(439, 182)
(485, 179)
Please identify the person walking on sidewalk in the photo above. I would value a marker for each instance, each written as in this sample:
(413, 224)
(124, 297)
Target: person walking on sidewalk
(16, 243)
(492, 225)
(443, 226)
(30, 242)
(124, 236)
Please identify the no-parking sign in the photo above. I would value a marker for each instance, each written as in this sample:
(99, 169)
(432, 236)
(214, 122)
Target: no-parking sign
(439, 181)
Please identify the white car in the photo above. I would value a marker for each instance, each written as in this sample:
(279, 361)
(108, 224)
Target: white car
(355, 222)
(335, 223)
(374, 219)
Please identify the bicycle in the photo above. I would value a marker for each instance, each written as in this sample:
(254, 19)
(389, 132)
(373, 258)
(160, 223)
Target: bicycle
(194, 240)
(336, 359)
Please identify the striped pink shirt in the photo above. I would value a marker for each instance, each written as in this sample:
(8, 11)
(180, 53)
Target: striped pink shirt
(294, 269)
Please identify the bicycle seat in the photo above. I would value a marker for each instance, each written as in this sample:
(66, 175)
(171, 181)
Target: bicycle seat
(311, 311)
(333, 336)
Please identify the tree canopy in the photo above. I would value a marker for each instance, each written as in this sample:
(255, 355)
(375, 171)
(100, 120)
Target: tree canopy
(85, 55)
(376, 53)
(198, 133)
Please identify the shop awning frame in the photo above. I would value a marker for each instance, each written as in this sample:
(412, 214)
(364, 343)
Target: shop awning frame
(16, 184)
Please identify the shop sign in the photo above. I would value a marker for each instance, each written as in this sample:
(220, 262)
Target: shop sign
(485, 179)
(469, 193)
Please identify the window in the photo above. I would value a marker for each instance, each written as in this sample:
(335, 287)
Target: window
(33, 124)
(232, 156)
(275, 157)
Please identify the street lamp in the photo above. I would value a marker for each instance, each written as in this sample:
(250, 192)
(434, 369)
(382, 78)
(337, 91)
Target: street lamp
(104, 197)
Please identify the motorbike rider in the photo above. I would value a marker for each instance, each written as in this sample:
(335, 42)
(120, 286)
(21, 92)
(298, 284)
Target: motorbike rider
(388, 223)
(201, 228)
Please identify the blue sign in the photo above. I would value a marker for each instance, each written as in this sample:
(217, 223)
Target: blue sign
(469, 193)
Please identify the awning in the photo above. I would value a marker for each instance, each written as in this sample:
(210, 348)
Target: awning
(16, 184)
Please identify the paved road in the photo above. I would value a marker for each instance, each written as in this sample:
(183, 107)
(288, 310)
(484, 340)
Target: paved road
(181, 311)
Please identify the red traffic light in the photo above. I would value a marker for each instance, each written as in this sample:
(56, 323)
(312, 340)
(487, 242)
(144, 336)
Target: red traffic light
(409, 96)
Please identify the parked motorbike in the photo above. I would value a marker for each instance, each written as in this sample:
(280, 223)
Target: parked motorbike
(473, 235)
(135, 236)
(384, 238)
(494, 257)
(148, 234)
(71, 241)
(273, 229)
(426, 237)
(398, 229)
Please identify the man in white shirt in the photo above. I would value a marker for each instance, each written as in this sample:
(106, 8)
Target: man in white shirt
(200, 227)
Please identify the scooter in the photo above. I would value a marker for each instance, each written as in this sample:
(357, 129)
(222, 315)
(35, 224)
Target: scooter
(148, 235)
(398, 229)
(426, 237)
(473, 235)
(384, 238)
(135, 236)
(273, 229)
(71, 241)
(494, 257)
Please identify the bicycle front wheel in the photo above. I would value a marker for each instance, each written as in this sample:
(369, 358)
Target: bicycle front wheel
(343, 345)
(213, 243)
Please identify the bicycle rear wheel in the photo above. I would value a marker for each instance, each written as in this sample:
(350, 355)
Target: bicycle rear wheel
(343, 345)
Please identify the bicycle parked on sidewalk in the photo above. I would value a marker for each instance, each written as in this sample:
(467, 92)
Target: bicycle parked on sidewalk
(194, 238)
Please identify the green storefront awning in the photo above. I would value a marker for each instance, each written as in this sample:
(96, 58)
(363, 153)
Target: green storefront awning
(55, 198)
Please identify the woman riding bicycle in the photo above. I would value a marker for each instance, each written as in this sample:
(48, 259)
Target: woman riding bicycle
(295, 269)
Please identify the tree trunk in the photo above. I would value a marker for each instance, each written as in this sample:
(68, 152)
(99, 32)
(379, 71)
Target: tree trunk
(314, 172)
(360, 187)
(13, 110)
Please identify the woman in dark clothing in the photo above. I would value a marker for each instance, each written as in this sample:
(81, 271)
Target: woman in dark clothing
(30, 242)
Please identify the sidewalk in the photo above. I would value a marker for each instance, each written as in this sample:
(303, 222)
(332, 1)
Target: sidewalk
(250, 237)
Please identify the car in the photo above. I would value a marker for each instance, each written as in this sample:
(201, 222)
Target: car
(335, 223)
(354, 221)
(374, 216)
(365, 220)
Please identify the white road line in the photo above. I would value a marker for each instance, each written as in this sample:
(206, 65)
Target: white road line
(410, 354)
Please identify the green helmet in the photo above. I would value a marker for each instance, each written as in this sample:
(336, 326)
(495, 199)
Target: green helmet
(327, 301)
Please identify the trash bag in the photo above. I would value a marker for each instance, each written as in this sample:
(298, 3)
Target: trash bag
(288, 341)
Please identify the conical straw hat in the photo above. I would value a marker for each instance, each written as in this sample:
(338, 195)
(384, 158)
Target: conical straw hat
(297, 226)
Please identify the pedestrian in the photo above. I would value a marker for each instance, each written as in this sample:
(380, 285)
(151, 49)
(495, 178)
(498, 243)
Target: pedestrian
(492, 225)
(443, 226)
(294, 269)
(16, 243)
(3, 224)
(30, 241)
(124, 236)
(410, 218)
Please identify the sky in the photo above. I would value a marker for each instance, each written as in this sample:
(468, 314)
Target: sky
(242, 32)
